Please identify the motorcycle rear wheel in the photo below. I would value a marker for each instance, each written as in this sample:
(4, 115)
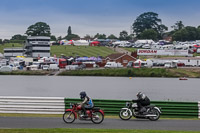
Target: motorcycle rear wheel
(97, 117)
(155, 112)
(125, 114)
(69, 117)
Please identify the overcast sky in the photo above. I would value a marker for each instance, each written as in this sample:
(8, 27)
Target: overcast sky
(91, 16)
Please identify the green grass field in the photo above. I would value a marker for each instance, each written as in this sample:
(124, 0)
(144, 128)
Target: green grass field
(70, 50)
(68, 130)
(9, 45)
(80, 51)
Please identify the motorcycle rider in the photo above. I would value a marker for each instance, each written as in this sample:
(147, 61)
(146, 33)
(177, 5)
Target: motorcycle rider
(142, 101)
(86, 103)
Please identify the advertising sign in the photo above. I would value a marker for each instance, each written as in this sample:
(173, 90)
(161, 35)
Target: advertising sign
(162, 52)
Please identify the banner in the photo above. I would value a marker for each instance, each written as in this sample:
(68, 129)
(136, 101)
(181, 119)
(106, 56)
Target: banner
(162, 52)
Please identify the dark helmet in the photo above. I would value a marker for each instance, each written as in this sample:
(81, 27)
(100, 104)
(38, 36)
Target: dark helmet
(83, 94)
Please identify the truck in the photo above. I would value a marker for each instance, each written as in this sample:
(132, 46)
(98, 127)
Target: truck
(62, 63)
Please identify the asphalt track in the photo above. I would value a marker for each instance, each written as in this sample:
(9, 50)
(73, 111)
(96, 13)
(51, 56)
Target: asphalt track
(44, 122)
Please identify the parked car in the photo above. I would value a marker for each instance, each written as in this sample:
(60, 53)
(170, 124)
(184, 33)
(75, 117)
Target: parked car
(6, 69)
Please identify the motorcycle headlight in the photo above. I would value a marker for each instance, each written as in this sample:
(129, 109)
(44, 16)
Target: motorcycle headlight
(70, 105)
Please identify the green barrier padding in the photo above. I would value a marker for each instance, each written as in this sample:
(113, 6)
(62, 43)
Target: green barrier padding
(169, 109)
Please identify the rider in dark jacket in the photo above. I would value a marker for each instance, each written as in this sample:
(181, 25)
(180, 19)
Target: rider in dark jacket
(142, 101)
(86, 103)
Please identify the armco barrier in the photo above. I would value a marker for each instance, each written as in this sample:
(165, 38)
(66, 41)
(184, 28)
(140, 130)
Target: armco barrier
(199, 109)
(169, 109)
(57, 105)
(32, 105)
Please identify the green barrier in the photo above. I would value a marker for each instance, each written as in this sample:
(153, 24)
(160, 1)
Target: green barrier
(169, 109)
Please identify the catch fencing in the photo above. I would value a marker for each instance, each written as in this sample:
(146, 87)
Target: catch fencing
(32, 105)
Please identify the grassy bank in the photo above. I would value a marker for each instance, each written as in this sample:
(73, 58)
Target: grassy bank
(25, 73)
(122, 72)
(131, 72)
(89, 131)
(80, 51)
(69, 50)
(9, 45)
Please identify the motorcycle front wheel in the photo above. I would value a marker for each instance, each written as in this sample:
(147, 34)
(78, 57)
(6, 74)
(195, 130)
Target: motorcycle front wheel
(125, 114)
(97, 117)
(69, 117)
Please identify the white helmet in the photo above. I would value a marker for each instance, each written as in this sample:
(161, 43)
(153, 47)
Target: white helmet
(140, 95)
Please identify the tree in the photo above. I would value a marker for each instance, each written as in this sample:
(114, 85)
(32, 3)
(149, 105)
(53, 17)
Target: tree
(53, 38)
(178, 25)
(112, 37)
(18, 37)
(6, 41)
(148, 20)
(124, 35)
(100, 36)
(186, 34)
(149, 34)
(88, 37)
(69, 31)
(59, 38)
(1, 41)
(39, 29)
(70, 37)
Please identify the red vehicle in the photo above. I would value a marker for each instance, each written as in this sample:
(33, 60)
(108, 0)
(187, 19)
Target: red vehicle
(95, 114)
(62, 63)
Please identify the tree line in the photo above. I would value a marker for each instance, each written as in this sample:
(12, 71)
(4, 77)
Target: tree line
(146, 26)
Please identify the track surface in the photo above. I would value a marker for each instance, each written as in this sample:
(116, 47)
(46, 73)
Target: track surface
(38, 122)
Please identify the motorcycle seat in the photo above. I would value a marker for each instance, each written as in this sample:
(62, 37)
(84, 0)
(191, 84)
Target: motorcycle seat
(149, 106)
(96, 108)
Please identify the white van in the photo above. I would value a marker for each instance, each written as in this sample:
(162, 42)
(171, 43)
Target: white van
(53, 67)
(170, 64)
(113, 65)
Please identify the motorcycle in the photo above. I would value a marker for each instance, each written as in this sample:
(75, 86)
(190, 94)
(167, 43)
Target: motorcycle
(95, 114)
(152, 112)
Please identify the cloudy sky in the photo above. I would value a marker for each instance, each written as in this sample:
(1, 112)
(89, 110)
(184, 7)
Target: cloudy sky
(91, 16)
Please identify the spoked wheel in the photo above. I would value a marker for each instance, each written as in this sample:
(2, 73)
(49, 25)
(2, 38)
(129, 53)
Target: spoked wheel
(97, 117)
(69, 117)
(154, 112)
(125, 114)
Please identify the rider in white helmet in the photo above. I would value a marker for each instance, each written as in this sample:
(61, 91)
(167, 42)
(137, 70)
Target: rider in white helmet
(142, 101)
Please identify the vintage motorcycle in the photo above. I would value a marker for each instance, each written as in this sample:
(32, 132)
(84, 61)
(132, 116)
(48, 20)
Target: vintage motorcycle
(152, 112)
(95, 114)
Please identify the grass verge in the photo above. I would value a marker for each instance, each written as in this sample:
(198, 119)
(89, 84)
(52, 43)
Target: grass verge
(135, 72)
(89, 131)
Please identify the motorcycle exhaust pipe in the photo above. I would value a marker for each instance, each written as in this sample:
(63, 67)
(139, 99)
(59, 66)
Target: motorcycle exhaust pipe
(150, 115)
